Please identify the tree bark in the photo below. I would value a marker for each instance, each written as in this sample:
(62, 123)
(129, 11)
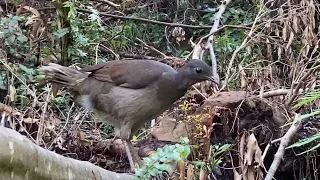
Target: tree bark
(21, 159)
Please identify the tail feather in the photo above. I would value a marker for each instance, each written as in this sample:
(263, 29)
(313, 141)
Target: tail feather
(62, 75)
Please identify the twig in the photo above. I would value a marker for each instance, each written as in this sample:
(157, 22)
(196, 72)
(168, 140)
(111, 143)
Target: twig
(148, 20)
(152, 48)
(96, 52)
(238, 49)
(301, 81)
(197, 47)
(199, 51)
(110, 50)
(158, 22)
(280, 92)
(63, 128)
(283, 144)
(3, 61)
(42, 120)
(214, 28)
(268, 146)
(112, 4)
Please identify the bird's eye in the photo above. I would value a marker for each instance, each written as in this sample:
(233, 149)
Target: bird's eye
(198, 70)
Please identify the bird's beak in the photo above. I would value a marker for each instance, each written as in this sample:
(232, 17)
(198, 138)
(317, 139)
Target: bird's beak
(214, 80)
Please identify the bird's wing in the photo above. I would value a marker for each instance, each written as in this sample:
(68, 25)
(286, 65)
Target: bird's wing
(132, 74)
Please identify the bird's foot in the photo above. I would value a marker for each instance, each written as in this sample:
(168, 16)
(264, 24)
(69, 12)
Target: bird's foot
(132, 155)
(128, 152)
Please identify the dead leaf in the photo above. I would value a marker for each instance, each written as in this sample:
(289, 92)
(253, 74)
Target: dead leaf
(253, 161)
(60, 141)
(181, 167)
(203, 174)
(82, 138)
(251, 149)
(190, 172)
(178, 33)
(9, 110)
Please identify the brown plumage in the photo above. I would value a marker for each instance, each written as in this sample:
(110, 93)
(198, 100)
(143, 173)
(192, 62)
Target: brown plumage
(128, 93)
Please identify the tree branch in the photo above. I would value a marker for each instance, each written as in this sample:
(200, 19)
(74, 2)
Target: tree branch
(198, 50)
(280, 92)
(282, 147)
(22, 159)
(147, 20)
(245, 26)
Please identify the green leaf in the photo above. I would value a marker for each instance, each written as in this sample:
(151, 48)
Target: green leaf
(309, 97)
(82, 39)
(223, 148)
(186, 152)
(184, 140)
(163, 159)
(138, 172)
(61, 32)
(161, 167)
(153, 171)
(80, 53)
(67, 4)
(59, 99)
(304, 116)
(176, 157)
(199, 163)
(40, 76)
(11, 39)
(26, 69)
(305, 141)
(312, 149)
(147, 161)
(160, 151)
(22, 38)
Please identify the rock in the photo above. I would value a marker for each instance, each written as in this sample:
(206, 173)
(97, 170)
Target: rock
(229, 99)
(169, 130)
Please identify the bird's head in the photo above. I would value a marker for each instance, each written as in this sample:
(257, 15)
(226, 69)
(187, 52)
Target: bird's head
(197, 71)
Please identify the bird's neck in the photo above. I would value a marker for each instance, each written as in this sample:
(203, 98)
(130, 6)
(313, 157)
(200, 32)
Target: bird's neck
(173, 85)
(182, 81)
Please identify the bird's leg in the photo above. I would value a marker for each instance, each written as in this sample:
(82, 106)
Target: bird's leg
(126, 142)
(132, 155)
(125, 133)
(135, 155)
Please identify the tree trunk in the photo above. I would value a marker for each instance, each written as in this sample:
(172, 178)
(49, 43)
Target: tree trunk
(22, 159)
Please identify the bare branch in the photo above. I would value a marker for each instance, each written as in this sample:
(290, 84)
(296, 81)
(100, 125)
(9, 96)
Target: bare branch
(214, 28)
(280, 92)
(198, 51)
(112, 4)
(148, 20)
(283, 144)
